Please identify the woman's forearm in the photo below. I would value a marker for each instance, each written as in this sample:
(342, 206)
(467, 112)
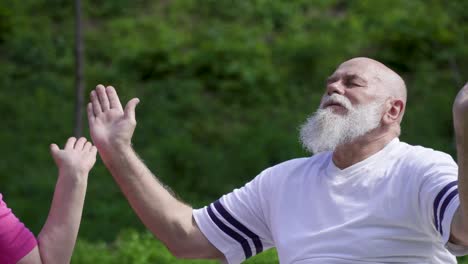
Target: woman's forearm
(58, 236)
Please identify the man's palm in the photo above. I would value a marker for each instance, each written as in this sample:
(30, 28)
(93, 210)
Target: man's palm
(109, 124)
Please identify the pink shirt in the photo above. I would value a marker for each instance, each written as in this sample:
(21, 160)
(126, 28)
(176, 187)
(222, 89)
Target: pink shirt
(16, 241)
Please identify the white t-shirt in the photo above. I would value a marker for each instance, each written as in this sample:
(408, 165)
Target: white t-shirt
(393, 207)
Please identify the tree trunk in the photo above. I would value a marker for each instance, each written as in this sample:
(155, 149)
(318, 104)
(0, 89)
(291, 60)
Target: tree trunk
(79, 74)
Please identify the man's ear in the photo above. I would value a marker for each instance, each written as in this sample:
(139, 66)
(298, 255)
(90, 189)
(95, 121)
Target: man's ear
(394, 113)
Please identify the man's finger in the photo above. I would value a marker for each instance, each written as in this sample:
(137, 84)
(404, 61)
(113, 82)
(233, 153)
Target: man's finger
(95, 102)
(101, 93)
(89, 109)
(70, 143)
(80, 143)
(130, 108)
(113, 98)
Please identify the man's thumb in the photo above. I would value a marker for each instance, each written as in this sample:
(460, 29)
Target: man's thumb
(129, 111)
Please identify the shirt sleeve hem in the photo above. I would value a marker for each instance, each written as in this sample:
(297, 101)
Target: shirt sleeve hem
(456, 250)
(447, 221)
(25, 249)
(209, 231)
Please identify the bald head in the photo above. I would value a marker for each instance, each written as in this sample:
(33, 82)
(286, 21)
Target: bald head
(385, 80)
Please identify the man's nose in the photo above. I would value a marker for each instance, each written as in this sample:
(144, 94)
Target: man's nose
(335, 87)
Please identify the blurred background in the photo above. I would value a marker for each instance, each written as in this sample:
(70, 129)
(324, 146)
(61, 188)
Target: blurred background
(223, 85)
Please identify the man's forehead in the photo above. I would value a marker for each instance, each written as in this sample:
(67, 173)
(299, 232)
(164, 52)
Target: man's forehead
(358, 69)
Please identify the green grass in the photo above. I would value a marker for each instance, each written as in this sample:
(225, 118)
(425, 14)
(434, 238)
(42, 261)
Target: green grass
(141, 248)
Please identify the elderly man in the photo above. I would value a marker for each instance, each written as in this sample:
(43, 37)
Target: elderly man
(364, 197)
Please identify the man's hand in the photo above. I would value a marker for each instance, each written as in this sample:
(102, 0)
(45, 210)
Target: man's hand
(460, 112)
(168, 219)
(76, 158)
(110, 126)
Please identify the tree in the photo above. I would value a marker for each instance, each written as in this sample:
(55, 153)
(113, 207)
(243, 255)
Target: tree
(79, 75)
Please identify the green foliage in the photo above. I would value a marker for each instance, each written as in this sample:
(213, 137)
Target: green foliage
(223, 84)
(141, 248)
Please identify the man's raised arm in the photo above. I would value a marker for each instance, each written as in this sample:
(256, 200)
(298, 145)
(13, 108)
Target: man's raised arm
(167, 218)
(459, 229)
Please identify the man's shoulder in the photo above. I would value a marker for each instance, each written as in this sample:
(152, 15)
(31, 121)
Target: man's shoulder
(284, 172)
(299, 164)
(423, 156)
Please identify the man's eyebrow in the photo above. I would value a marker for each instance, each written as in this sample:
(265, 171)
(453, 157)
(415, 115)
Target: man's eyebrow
(356, 77)
(351, 76)
(332, 78)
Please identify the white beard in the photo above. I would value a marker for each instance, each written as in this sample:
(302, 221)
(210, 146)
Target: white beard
(325, 130)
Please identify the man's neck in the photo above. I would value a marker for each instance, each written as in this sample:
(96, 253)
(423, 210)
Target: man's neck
(360, 149)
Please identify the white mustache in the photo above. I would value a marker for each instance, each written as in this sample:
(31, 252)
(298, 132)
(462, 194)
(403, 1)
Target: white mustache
(336, 99)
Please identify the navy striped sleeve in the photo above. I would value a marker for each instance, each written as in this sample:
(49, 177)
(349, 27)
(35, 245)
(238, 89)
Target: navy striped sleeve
(442, 200)
(237, 231)
(254, 237)
(230, 232)
(444, 207)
